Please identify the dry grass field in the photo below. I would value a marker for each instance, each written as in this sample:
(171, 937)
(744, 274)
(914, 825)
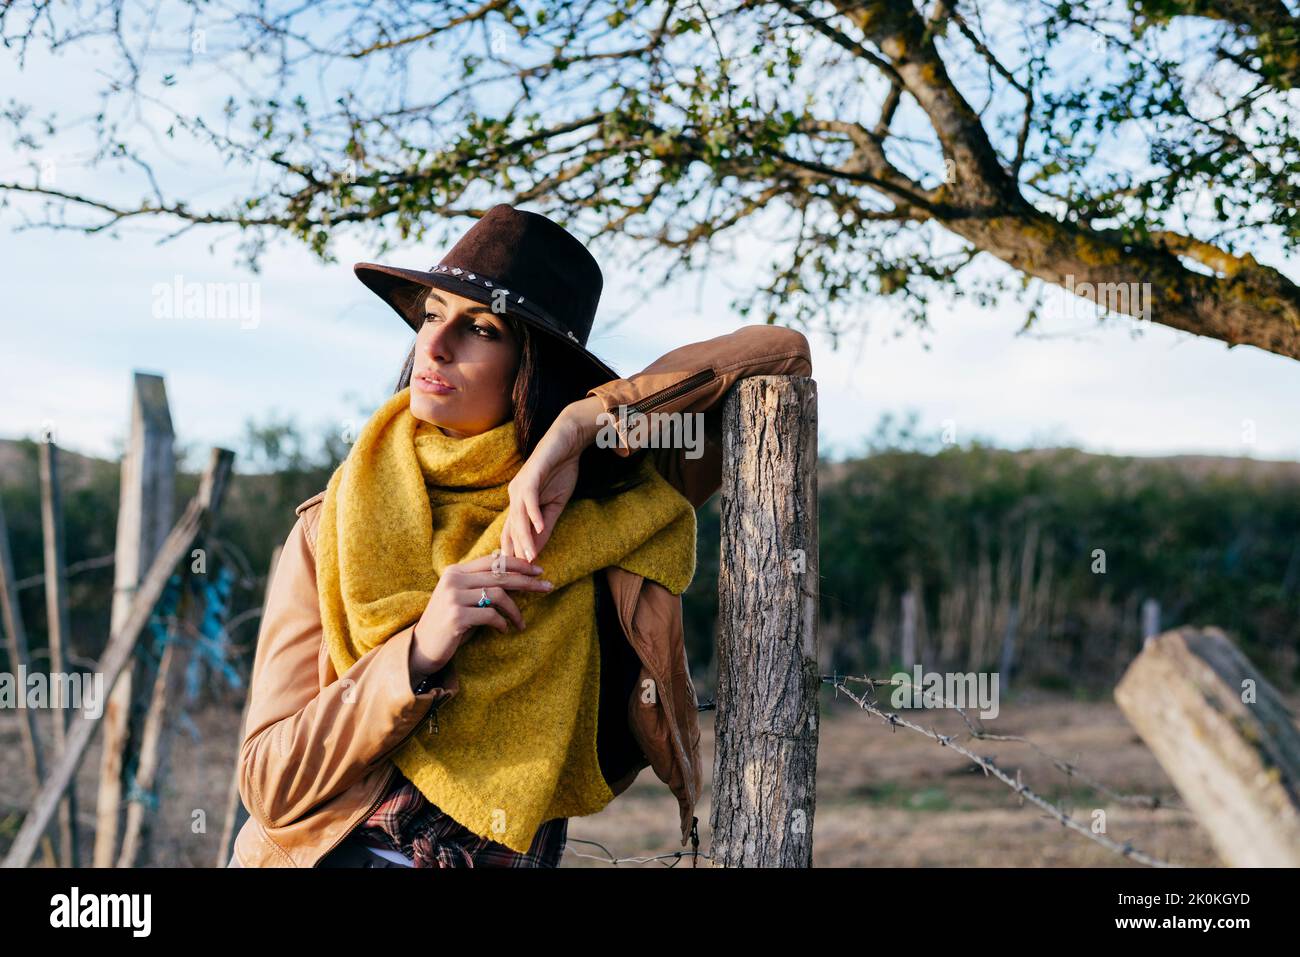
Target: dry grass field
(885, 798)
(897, 799)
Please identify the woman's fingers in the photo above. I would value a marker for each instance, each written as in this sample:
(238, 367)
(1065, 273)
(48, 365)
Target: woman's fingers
(500, 601)
(521, 530)
(513, 581)
(550, 517)
(533, 508)
(484, 564)
(524, 513)
(486, 616)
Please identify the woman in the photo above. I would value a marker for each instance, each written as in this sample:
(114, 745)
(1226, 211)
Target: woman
(480, 561)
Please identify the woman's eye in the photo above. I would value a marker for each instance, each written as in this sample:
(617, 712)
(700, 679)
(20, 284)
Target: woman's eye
(487, 332)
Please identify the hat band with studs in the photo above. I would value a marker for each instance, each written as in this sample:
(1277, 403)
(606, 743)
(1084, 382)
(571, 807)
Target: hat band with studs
(497, 289)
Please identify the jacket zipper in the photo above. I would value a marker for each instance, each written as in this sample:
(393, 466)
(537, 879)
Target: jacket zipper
(379, 796)
(388, 779)
(671, 392)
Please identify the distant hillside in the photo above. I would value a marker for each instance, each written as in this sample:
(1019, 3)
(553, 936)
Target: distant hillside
(19, 468)
(18, 464)
(1193, 466)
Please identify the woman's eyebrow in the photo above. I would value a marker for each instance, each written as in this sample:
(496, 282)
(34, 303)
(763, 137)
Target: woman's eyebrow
(472, 310)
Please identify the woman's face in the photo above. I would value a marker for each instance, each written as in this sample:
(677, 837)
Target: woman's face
(465, 362)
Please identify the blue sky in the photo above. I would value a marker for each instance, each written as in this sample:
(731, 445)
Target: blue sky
(79, 319)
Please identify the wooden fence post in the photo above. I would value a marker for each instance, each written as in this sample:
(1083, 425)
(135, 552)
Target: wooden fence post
(160, 721)
(1150, 620)
(16, 642)
(118, 652)
(1225, 737)
(56, 605)
(908, 615)
(144, 515)
(765, 764)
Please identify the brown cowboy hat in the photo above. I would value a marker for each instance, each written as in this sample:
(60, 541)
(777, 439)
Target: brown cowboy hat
(516, 262)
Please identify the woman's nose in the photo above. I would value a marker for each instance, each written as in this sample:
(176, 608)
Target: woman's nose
(438, 346)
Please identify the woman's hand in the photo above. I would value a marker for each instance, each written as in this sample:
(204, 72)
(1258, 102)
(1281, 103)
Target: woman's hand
(453, 609)
(542, 486)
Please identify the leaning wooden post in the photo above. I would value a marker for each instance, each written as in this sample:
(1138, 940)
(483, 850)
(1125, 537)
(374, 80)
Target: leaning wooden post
(16, 642)
(236, 814)
(56, 606)
(765, 761)
(1225, 738)
(156, 729)
(165, 704)
(118, 652)
(144, 515)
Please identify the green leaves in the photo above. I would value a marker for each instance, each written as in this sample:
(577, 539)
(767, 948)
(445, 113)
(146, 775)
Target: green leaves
(1145, 115)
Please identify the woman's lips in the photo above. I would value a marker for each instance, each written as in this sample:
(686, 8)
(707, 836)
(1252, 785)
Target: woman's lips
(433, 386)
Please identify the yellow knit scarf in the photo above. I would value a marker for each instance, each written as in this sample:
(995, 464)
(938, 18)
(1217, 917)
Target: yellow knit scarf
(517, 746)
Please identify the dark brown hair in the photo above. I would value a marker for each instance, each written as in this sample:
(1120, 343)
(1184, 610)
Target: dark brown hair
(550, 376)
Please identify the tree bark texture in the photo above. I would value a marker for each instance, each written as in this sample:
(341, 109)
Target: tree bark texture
(765, 762)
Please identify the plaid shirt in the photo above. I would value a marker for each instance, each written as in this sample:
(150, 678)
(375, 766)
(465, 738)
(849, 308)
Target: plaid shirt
(408, 822)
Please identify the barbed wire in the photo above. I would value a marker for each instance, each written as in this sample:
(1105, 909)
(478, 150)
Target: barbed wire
(235, 558)
(76, 568)
(1024, 791)
(1151, 802)
(675, 856)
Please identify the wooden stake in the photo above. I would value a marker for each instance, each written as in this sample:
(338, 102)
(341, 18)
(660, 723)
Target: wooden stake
(1225, 737)
(56, 605)
(144, 514)
(117, 654)
(768, 679)
(907, 613)
(16, 641)
(160, 723)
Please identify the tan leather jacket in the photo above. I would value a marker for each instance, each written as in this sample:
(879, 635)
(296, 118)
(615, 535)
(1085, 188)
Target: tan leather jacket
(313, 761)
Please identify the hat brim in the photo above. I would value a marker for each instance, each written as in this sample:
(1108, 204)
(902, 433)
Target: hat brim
(395, 286)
